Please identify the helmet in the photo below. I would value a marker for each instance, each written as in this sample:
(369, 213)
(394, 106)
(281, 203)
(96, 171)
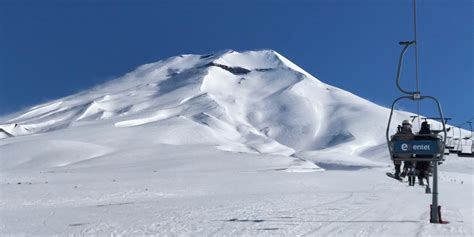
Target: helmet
(425, 124)
(406, 122)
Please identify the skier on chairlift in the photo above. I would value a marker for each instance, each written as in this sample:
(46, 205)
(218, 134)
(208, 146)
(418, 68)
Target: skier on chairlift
(422, 167)
(403, 134)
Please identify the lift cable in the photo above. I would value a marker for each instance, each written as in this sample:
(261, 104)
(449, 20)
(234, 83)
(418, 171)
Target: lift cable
(416, 59)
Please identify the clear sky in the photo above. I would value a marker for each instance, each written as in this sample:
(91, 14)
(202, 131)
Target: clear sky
(51, 49)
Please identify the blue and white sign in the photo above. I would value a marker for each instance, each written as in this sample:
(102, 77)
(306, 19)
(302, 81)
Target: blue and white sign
(416, 147)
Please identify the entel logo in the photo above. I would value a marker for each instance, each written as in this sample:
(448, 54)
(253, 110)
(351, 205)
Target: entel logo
(421, 147)
(404, 147)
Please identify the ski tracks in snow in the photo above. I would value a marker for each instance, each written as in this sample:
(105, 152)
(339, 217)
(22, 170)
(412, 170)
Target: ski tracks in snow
(358, 213)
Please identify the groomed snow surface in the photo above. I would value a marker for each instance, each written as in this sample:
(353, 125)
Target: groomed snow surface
(232, 143)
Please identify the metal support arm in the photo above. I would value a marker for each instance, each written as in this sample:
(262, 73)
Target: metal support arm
(400, 63)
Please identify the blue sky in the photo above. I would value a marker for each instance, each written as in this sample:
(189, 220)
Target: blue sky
(51, 49)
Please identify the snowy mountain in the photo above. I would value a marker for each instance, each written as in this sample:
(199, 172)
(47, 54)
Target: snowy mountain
(256, 110)
(255, 101)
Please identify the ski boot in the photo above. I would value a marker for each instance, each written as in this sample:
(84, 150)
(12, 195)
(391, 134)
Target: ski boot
(420, 180)
(411, 177)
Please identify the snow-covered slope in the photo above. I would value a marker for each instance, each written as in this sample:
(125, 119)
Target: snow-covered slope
(254, 101)
(192, 115)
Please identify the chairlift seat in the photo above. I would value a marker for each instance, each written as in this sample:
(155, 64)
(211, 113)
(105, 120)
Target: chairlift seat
(467, 150)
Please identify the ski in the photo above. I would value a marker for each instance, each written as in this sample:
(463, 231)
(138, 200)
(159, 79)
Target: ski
(393, 176)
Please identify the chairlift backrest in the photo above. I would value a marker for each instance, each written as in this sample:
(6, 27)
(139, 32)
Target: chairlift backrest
(423, 145)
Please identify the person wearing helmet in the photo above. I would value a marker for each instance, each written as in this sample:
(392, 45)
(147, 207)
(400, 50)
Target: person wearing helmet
(404, 133)
(407, 130)
(406, 124)
(422, 167)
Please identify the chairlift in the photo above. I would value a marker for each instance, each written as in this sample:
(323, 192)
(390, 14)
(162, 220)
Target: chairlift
(450, 139)
(419, 147)
(455, 146)
(430, 144)
(466, 150)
